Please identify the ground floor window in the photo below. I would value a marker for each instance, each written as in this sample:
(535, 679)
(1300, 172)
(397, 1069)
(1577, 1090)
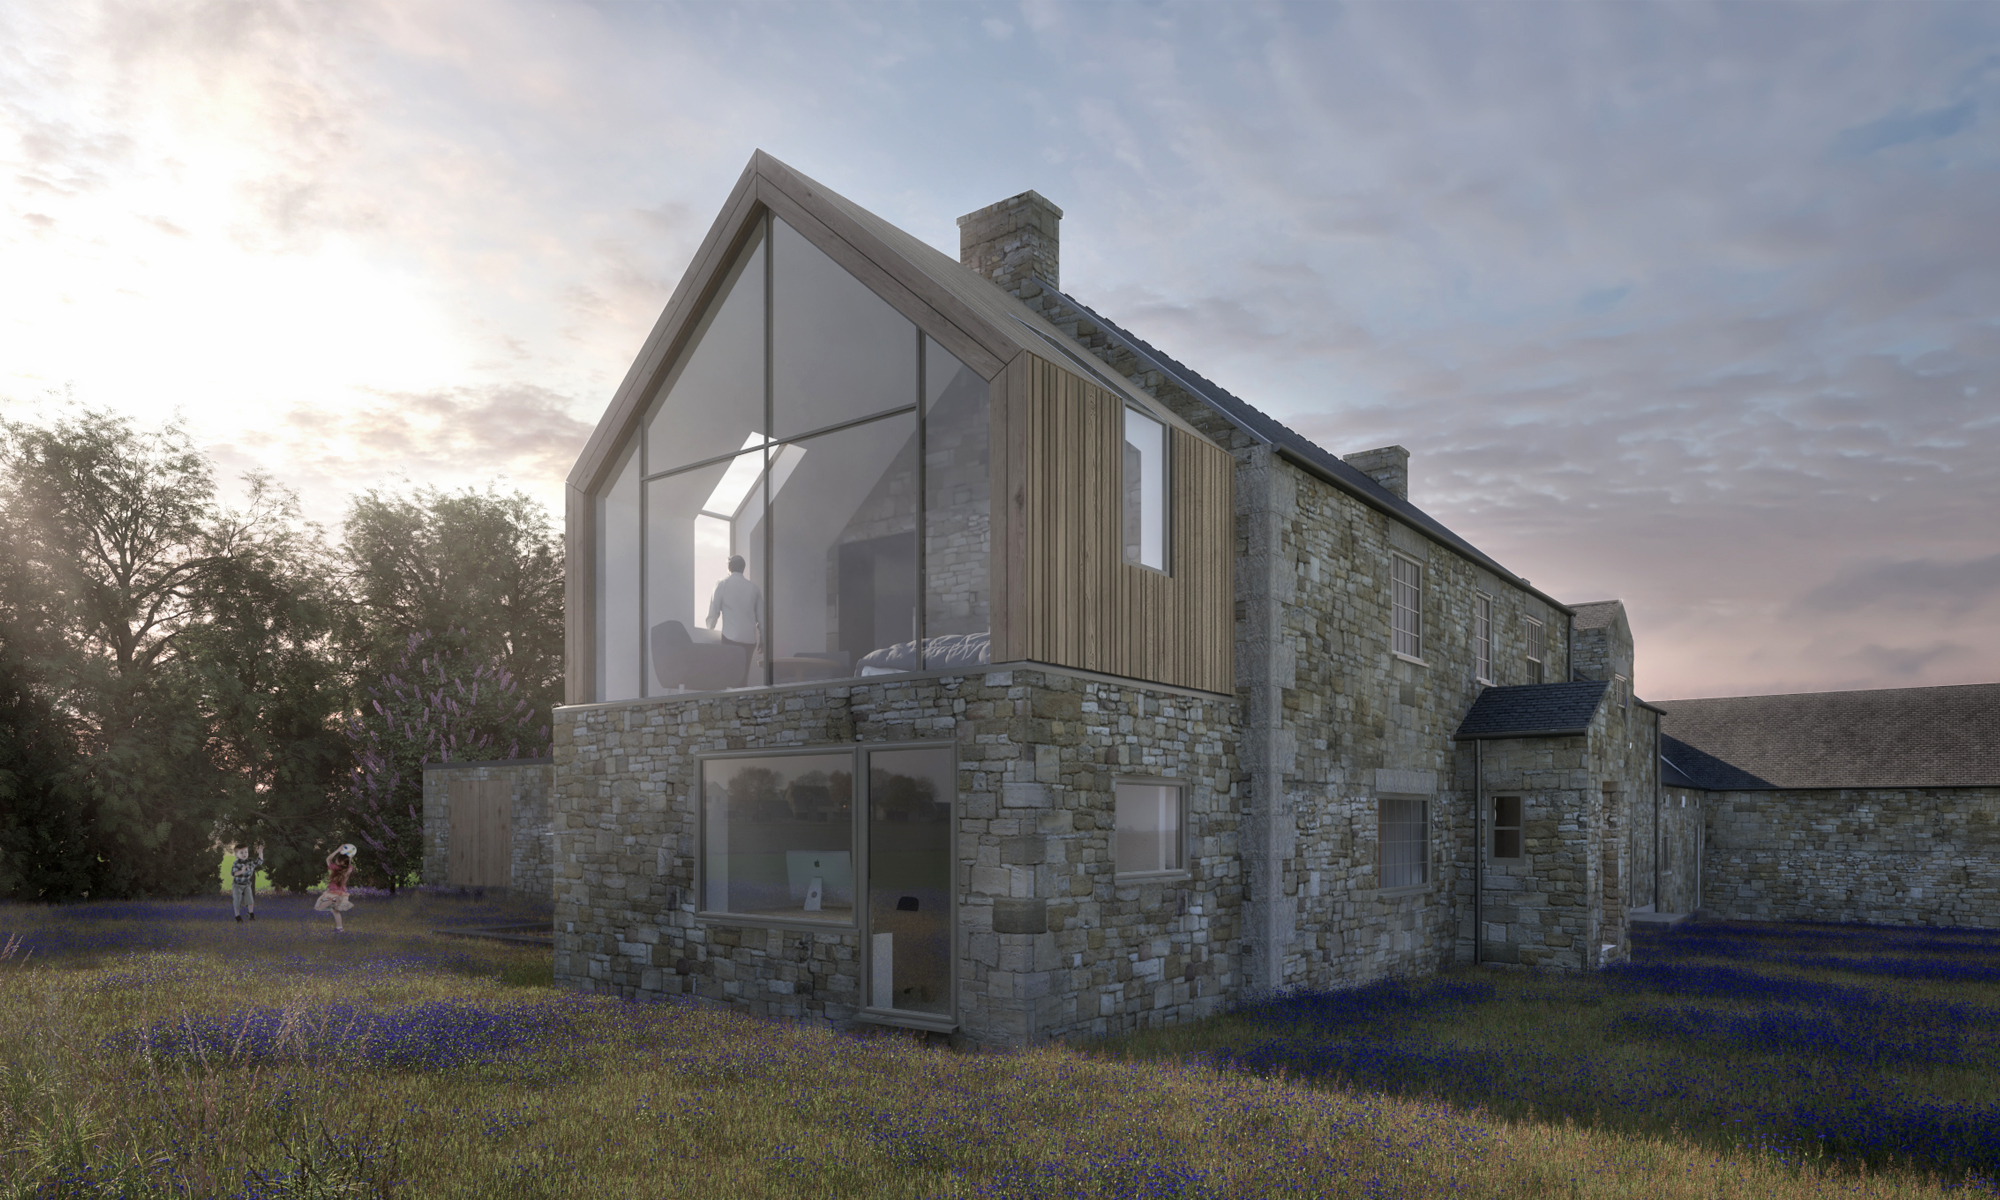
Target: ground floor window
(1404, 831)
(796, 837)
(778, 836)
(1147, 827)
(1506, 827)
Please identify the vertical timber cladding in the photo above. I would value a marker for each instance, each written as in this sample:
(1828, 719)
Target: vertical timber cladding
(1075, 601)
(480, 850)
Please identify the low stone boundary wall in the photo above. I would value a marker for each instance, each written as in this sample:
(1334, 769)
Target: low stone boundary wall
(1889, 856)
(531, 782)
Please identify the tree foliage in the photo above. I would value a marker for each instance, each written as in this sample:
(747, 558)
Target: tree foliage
(439, 703)
(486, 565)
(46, 851)
(178, 674)
(181, 644)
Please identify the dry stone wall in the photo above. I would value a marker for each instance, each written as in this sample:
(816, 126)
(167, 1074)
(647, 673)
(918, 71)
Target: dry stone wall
(1052, 943)
(1897, 856)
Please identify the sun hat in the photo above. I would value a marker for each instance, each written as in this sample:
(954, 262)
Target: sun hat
(348, 849)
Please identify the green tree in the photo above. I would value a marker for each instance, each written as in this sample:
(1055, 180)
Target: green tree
(482, 569)
(439, 703)
(46, 848)
(184, 645)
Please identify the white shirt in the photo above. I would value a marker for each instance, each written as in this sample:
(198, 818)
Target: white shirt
(738, 602)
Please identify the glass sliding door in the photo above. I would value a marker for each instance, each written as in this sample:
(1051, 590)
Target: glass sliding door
(910, 930)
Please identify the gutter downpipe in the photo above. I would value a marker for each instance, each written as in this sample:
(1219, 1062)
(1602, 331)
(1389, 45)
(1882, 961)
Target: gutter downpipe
(1478, 852)
(1569, 651)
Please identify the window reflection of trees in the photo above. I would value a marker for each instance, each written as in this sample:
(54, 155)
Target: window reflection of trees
(904, 798)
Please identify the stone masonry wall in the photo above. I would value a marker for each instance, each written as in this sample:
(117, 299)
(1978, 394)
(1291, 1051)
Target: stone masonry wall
(1350, 713)
(533, 855)
(1894, 856)
(1681, 849)
(1038, 750)
(1541, 909)
(1365, 721)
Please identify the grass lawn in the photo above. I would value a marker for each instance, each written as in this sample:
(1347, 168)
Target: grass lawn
(161, 1049)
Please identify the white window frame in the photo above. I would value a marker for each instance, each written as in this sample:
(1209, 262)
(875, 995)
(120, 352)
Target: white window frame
(1537, 639)
(1482, 638)
(1421, 862)
(1406, 616)
(1179, 868)
(1164, 551)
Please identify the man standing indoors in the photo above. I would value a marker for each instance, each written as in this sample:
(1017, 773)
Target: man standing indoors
(740, 605)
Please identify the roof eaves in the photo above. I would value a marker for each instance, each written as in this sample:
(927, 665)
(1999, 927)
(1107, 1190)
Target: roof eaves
(1497, 735)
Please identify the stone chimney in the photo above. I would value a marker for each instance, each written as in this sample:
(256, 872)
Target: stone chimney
(1388, 466)
(1014, 242)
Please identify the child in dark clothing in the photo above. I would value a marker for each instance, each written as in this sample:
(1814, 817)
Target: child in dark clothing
(339, 866)
(243, 875)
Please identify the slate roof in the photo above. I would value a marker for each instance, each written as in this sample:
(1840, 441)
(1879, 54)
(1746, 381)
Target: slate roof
(1597, 614)
(1682, 765)
(1273, 432)
(1533, 710)
(1891, 737)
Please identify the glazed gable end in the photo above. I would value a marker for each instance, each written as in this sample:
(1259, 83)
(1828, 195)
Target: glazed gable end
(1031, 526)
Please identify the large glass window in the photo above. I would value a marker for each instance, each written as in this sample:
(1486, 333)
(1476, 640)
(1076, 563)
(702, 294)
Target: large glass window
(958, 610)
(716, 396)
(813, 493)
(705, 572)
(778, 837)
(1405, 839)
(1145, 487)
(618, 582)
(838, 352)
(844, 583)
(909, 879)
(1147, 824)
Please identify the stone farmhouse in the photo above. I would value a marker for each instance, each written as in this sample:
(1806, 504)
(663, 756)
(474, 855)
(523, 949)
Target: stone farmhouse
(942, 655)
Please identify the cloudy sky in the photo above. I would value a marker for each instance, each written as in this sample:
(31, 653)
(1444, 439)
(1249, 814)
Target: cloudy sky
(1696, 307)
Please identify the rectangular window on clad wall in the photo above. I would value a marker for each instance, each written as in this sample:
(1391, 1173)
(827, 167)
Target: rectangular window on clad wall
(1407, 605)
(1534, 640)
(1144, 481)
(1506, 827)
(1482, 638)
(1147, 831)
(1404, 832)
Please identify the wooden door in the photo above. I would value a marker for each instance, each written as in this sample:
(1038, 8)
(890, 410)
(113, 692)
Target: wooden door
(480, 839)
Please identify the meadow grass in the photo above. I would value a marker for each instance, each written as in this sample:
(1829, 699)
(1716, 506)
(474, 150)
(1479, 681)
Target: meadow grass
(163, 1050)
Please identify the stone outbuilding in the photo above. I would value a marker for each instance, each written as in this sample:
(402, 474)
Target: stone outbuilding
(943, 655)
(1880, 806)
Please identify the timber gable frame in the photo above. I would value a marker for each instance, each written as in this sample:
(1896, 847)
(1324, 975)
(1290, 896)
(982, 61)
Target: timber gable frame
(1007, 343)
